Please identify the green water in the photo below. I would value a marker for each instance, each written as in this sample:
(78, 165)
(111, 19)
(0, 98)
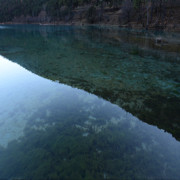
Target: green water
(89, 103)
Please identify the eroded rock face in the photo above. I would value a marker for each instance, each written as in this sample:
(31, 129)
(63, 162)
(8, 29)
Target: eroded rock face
(110, 64)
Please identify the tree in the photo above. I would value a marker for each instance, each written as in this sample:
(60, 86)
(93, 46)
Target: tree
(127, 7)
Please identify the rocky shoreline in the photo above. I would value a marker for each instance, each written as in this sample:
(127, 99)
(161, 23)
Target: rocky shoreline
(169, 27)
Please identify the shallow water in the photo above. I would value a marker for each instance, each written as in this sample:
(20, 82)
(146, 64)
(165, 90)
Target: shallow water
(91, 103)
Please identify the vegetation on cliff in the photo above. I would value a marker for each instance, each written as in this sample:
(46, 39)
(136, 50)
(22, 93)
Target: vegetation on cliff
(146, 13)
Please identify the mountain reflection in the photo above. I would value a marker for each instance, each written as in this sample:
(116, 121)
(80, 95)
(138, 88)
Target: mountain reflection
(112, 65)
(51, 130)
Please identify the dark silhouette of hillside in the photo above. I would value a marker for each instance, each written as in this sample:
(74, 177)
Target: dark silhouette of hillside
(151, 14)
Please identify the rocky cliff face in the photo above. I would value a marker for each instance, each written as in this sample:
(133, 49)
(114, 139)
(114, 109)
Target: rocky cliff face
(90, 14)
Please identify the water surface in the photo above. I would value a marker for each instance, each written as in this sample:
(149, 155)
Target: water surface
(88, 103)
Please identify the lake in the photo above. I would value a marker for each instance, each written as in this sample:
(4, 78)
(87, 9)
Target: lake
(89, 103)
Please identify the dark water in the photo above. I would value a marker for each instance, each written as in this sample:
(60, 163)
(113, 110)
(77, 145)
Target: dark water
(89, 103)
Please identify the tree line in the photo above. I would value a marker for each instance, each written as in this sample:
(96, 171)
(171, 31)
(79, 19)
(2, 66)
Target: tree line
(145, 10)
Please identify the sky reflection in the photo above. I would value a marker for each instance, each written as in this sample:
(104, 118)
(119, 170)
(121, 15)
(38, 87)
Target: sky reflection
(23, 93)
(30, 105)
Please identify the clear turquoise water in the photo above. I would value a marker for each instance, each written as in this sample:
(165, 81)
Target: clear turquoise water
(88, 103)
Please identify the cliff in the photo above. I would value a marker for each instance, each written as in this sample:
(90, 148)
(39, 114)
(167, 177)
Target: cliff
(160, 15)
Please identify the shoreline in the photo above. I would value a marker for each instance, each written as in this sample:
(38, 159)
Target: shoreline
(130, 26)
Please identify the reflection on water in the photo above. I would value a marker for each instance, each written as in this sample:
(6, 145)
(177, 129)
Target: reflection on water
(52, 130)
(127, 68)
